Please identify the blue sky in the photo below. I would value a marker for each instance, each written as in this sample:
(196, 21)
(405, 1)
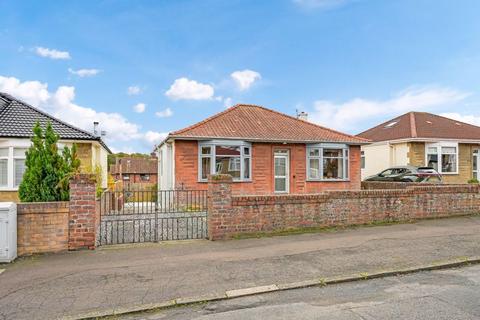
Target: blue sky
(349, 63)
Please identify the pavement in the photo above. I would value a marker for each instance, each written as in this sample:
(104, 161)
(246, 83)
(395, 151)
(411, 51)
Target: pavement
(434, 295)
(113, 279)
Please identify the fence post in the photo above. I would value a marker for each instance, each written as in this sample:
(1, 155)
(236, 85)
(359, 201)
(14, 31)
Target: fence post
(82, 218)
(219, 203)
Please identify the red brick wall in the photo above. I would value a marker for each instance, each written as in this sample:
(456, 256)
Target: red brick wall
(186, 170)
(83, 215)
(42, 227)
(229, 216)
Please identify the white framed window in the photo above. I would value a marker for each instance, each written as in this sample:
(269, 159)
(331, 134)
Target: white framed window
(327, 162)
(362, 159)
(12, 167)
(18, 165)
(225, 157)
(4, 155)
(442, 156)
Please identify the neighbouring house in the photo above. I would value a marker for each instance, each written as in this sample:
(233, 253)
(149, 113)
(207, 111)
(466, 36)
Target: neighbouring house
(135, 170)
(17, 119)
(423, 139)
(264, 151)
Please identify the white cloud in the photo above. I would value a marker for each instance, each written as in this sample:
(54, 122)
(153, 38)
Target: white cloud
(164, 113)
(84, 72)
(348, 115)
(469, 118)
(154, 137)
(184, 88)
(134, 90)
(34, 92)
(139, 107)
(60, 103)
(320, 4)
(52, 53)
(244, 79)
(228, 102)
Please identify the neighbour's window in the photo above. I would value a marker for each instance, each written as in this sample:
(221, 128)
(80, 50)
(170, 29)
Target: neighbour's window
(327, 162)
(225, 158)
(4, 167)
(12, 167)
(362, 160)
(18, 165)
(126, 177)
(145, 177)
(442, 157)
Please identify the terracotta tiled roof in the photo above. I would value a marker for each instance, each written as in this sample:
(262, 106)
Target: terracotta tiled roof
(255, 123)
(135, 165)
(422, 125)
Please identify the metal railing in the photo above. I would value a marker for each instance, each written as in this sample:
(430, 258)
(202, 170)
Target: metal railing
(150, 216)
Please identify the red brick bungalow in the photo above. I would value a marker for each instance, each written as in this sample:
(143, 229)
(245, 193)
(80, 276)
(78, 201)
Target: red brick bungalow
(264, 151)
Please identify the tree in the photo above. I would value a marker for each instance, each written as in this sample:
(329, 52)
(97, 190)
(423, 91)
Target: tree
(47, 172)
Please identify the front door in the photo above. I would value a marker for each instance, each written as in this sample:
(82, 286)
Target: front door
(281, 171)
(475, 165)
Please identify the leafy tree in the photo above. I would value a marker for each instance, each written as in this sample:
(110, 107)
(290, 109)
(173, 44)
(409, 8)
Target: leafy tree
(47, 172)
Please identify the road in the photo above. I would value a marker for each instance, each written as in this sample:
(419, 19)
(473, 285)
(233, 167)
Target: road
(444, 294)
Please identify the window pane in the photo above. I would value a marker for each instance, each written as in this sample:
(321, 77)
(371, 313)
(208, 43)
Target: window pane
(362, 160)
(3, 172)
(234, 164)
(19, 171)
(314, 172)
(449, 150)
(227, 151)
(314, 152)
(449, 163)
(280, 184)
(19, 152)
(205, 167)
(228, 165)
(432, 161)
(332, 152)
(3, 152)
(432, 150)
(346, 169)
(206, 150)
(246, 168)
(475, 160)
(246, 151)
(332, 168)
(280, 166)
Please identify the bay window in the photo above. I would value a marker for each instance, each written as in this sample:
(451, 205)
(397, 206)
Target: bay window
(327, 162)
(225, 157)
(12, 167)
(443, 157)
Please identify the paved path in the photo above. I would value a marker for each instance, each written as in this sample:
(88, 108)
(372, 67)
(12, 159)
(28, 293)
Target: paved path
(435, 295)
(52, 286)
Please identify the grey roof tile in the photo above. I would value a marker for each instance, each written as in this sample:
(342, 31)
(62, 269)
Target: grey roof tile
(17, 119)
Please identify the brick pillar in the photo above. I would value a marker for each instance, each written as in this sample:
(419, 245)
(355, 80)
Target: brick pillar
(82, 216)
(219, 204)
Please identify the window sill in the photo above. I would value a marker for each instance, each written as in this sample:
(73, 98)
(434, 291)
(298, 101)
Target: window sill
(234, 181)
(8, 189)
(328, 180)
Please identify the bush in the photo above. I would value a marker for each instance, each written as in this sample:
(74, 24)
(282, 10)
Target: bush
(47, 172)
(473, 181)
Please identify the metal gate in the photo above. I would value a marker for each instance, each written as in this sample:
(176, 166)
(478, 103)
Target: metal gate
(151, 216)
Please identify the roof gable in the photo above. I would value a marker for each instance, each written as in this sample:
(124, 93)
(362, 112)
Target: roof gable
(256, 123)
(422, 125)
